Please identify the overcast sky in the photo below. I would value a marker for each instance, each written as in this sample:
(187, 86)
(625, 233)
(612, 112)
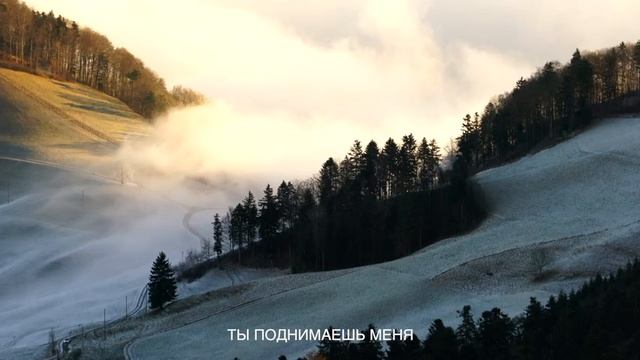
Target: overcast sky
(367, 69)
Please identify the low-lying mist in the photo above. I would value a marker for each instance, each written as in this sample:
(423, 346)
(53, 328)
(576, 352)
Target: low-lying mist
(233, 152)
(73, 245)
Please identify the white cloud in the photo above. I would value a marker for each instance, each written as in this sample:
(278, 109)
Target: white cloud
(374, 68)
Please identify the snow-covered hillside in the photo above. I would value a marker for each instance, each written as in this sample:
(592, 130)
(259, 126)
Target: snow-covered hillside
(576, 202)
(73, 245)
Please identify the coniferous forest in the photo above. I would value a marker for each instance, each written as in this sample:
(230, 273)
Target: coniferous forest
(52, 45)
(374, 205)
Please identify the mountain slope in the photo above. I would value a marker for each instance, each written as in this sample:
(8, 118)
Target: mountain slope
(63, 251)
(62, 121)
(575, 202)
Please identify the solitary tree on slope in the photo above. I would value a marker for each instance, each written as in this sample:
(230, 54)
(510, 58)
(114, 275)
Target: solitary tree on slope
(162, 282)
(217, 235)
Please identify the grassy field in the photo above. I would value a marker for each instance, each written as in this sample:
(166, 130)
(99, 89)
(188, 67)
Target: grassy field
(66, 122)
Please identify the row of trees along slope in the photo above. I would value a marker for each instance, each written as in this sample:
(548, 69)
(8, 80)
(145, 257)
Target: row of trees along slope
(552, 104)
(47, 44)
(374, 205)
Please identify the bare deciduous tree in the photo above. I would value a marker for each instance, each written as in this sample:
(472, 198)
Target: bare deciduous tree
(539, 260)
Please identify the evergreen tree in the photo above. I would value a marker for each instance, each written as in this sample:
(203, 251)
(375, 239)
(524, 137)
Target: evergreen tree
(162, 282)
(533, 344)
(250, 218)
(285, 202)
(370, 174)
(268, 220)
(495, 335)
(304, 238)
(236, 228)
(441, 343)
(357, 160)
(468, 141)
(408, 164)
(389, 169)
(424, 158)
(217, 235)
(467, 333)
(346, 174)
(582, 72)
(329, 180)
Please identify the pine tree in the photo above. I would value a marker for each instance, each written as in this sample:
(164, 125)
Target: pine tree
(371, 170)
(389, 165)
(467, 140)
(357, 159)
(268, 220)
(250, 219)
(236, 229)
(346, 174)
(441, 343)
(533, 344)
(467, 333)
(285, 201)
(408, 164)
(495, 334)
(328, 181)
(424, 159)
(217, 235)
(162, 282)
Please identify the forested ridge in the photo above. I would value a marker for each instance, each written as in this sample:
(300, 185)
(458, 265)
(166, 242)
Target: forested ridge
(551, 104)
(376, 204)
(47, 44)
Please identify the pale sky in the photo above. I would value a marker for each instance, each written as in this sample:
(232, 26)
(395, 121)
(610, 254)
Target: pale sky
(336, 70)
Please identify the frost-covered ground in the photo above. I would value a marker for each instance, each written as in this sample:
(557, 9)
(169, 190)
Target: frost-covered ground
(577, 202)
(73, 245)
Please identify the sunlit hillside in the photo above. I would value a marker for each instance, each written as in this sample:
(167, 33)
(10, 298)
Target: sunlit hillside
(61, 121)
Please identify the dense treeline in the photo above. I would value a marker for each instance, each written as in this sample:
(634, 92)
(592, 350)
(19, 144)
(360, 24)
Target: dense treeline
(45, 43)
(552, 103)
(599, 321)
(375, 205)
